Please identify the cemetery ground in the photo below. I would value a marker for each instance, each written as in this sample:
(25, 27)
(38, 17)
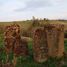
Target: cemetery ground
(29, 62)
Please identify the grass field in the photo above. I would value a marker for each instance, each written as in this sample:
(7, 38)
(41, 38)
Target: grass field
(28, 23)
(29, 61)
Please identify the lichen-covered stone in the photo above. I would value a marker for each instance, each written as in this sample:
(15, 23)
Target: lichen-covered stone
(55, 39)
(40, 46)
(13, 41)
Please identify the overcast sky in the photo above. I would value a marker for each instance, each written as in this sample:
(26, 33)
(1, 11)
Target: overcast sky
(11, 10)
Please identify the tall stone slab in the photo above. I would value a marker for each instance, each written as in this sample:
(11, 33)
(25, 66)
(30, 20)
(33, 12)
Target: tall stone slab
(51, 39)
(8, 39)
(40, 46)
(55, 39)
(61, 40)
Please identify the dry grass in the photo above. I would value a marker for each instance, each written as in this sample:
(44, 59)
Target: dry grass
(26, 25)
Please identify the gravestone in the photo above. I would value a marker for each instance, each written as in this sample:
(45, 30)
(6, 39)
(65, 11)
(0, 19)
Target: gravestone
(20, 45)
(55, 39)
(8, 41)
(61, 40)
(13, 42)
(40, 46)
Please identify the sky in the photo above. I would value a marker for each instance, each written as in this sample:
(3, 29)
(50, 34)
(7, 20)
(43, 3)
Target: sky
(16, 10)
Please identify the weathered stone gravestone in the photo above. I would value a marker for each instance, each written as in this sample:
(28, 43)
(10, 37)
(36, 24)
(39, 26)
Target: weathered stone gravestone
(55, 39)
(8, 41)
(48, 41)
(40, 46)
(20, 45)
(14, 42)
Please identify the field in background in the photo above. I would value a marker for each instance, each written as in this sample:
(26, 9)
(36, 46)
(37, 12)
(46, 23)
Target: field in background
(26, 24)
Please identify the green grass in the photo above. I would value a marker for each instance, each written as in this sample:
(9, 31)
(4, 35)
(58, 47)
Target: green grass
(65, 45)
(29, 61)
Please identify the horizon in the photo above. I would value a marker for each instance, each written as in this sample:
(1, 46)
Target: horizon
(20, 10)
(35, 18)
